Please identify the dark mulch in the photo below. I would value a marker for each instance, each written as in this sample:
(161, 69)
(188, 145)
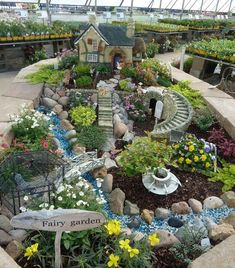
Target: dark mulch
(147, 125)
(194, 185)
(165, 259)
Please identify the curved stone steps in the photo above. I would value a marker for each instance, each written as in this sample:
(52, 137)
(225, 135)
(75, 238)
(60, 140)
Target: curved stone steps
(179, 121)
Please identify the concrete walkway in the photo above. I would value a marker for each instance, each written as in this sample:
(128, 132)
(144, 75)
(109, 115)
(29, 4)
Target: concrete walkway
(220, 103)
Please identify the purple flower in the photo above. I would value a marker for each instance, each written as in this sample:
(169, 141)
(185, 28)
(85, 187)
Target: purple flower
(207, 148)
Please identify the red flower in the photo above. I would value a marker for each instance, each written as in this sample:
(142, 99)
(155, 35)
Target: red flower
(5, 145)
(45, 145)
(27, 150)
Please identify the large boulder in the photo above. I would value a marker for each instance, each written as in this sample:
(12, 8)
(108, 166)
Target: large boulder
(119, 129)
(66, 124)
(58, 108)
(230, 219)
(70, 134)
(167, 239)
(229, 198)
(5, 238)
(49, 103)
(147, 215)
(195, 205)
(63, 115)
(55, 97)
(116, 201)
(162, 213)
(213, 202)
(100, 172)
(5, 223)
(48, 92)
(18, 234)
(63, 100)
(180, 208)
(131, 209)
(221, 232)
(14, 249)
(107, 184)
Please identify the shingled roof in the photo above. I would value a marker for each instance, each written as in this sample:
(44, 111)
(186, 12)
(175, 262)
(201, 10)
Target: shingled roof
(113, 35)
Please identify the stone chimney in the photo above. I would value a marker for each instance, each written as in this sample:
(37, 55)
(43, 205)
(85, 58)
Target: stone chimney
(130, 28)
(92, 19)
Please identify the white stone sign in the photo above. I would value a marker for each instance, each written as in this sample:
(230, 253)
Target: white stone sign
(58, 220)
(158, 109)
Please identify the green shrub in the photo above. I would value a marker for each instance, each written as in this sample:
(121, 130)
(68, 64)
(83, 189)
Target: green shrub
(152, 49)
(103, 69)
(39, 54)
(188, 64)
(203, 118)
(84, 81)
(82, 116)
(128, 71)
(91, 137)
(193, 96)
(226, 175)
(83, 69)
(189, 248)
(46, 74)
(144, 154)
(68, 61)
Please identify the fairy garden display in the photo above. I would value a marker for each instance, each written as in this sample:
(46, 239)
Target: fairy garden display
(105, 126)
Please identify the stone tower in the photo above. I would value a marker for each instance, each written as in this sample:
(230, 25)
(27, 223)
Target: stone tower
(130, 27)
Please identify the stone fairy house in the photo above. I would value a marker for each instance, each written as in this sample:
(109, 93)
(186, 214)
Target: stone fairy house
(106, 43)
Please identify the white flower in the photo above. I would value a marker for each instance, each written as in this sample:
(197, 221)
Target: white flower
(79, 202)
(68, 194)
(81, 193)
(46, 205)
(51, 207)
(23, 209)
(60, 189)
(26, 198)
(80, 184)
(60, 198)
(74, 196)
(86, 186)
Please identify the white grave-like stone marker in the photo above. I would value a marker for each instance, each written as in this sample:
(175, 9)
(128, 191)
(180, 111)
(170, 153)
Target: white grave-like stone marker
(158, 110)
(58, 220)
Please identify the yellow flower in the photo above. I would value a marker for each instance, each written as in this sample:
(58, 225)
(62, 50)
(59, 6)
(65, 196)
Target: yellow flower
(124, 244)
(113, 261)
(176, 146)
(154, 240)
(203, 157)
(113, 227)
(188, 161)
(133, 252)
(196, 158)
(181, 160)
(201, 151)
(207, 164)
(31, 250)
(191, 148)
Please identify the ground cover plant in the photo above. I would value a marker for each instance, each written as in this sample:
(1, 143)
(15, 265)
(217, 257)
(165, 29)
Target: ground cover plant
(222, 49)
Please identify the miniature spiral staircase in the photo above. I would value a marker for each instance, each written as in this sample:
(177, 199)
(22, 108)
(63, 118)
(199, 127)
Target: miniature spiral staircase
(179, 116)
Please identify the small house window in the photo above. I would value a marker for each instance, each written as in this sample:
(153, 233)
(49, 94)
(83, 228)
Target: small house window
(92, 57)
(89, 41)
(95, 45)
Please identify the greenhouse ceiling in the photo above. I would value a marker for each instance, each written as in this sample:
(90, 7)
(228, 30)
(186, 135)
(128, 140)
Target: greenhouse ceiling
(204, 5)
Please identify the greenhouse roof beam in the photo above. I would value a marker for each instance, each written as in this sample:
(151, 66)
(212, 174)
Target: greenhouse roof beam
(209, 5)
(121, 3)
(193, 5)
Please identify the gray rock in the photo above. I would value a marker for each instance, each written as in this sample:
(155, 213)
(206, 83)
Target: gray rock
(94, 98)
(221, 232)
(116, 119)
(73, 141)
(180, 208)
(129, 136)
(102, 84)
(137, 236)
(116, 201)
(48, 92)
(113, 80)
(5, 223)
(119, 129)
(100, 173)
(107, 184)
(198, 226)
(14, 249)
(63, 100)
(134, 223)
(70, 134)
(131, 209)
(5, 211)
(130, 125)
(213, 202)
(175, 222)
(167, 239)
(63, 115)
(18, 234)
(230, 219)
(58, 108)
(229, 198)
(55, 97)
(5, 238)
(49, 103)
(66, 124)
(126, 231)
(195, 205)
(56, 142)
(209, 223)
(162, 213)
(109, 163)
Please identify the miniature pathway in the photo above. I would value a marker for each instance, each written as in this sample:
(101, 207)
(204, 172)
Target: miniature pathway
(220, 103)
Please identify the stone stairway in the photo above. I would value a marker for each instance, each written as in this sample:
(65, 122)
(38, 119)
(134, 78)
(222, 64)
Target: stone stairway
(179, 119)
(105, 114)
